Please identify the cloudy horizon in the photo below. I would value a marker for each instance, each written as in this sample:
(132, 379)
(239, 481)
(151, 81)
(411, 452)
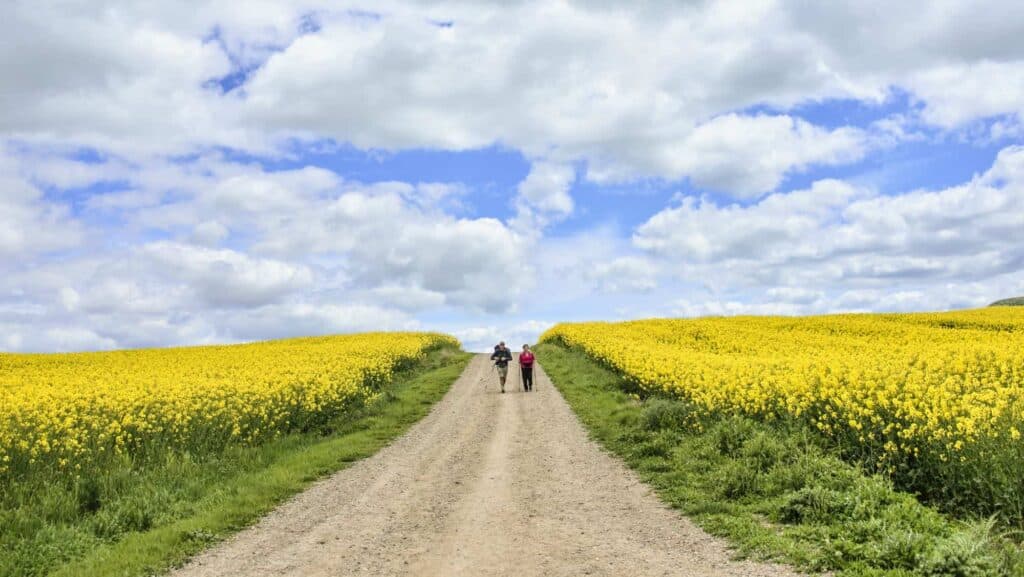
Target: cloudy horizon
(189, 174)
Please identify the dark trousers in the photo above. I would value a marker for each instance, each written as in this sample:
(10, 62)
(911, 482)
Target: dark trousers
(527, 378)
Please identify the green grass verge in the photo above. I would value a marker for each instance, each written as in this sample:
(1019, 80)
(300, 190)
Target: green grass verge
(139, 521)
(774, 491)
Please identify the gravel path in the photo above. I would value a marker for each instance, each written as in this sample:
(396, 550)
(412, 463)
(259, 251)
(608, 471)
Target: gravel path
(486, 484)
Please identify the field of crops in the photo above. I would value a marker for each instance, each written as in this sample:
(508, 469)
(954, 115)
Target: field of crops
(66, 412)
(934, 400)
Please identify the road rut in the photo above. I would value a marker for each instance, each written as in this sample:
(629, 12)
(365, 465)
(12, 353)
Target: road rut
(486, 484)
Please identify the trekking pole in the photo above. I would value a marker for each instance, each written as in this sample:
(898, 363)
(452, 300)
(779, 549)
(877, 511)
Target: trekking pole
(522, 385)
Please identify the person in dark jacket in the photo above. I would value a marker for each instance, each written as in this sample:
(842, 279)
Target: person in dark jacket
(502, 357)
(526, 359)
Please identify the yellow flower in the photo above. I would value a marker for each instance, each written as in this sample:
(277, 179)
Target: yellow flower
(67, 410)
(902, 384)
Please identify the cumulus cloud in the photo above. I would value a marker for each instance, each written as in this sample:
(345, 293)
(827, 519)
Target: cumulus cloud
(623, 274)
(108, 78)
(293, 320)
(386, 240)
(389, 234)
(483, 338)
(283, 252)
(543, 197)
(954, 95)
(748, 156)
(789, 301)
(961, 60)
(834, 237)
(29, 223)
(407, 298)
(782, 226)
(262, 193)
(138, 206)
(67, 339)
(728, 308)
(458, 87)
(549, 79)
(209, 233)
(486, 80)
(226, 277)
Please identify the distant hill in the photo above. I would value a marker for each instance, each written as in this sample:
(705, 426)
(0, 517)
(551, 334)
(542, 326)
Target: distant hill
(1014, 302)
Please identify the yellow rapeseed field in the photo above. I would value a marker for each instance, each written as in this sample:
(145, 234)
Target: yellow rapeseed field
(895, 389)
(66, 411)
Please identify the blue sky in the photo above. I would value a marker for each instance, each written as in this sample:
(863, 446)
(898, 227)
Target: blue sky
(193, 175)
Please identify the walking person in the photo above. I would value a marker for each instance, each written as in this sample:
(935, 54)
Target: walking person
(526, 359)
(502, 356)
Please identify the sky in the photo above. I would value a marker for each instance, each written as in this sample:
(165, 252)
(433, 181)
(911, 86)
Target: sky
(191, 173)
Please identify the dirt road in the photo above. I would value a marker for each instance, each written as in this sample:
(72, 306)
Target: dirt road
(487, 484)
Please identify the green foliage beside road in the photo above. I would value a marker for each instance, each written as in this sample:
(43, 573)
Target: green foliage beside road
(775, 492)
(129, 521)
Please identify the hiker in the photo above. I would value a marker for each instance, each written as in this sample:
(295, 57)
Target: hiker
(526, 359)
(502, 357)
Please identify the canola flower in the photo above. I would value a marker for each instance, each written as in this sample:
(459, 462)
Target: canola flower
(895, 390)
(64, 412)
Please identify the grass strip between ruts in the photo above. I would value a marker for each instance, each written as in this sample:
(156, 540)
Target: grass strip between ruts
(293, 463)
(773, 491)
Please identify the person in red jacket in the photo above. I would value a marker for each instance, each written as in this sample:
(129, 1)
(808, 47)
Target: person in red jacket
(526, 359)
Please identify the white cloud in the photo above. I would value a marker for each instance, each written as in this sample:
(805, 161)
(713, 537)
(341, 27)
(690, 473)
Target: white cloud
(70, 298)
(779, 227)
(713, 308)
(960, 59)
(142, 299)
(386, 240)
(635, 92)
(958, 94)
(266, 193)
(899, 297)
(401, 81)
(486, 80)
(134, 290)
(795, 295)
(543, 197)
(118, 79)
(748, 156)
(287, 251)
(483, 338)
(393, 234)
(225, 277)
(623, 274)
(76, 339)
(595, 92)
(292, 320)
(573, 269)
(29, 223)
(408, 298)
(834, 238)
(546, 188)
(56, 339)
(209, 233)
